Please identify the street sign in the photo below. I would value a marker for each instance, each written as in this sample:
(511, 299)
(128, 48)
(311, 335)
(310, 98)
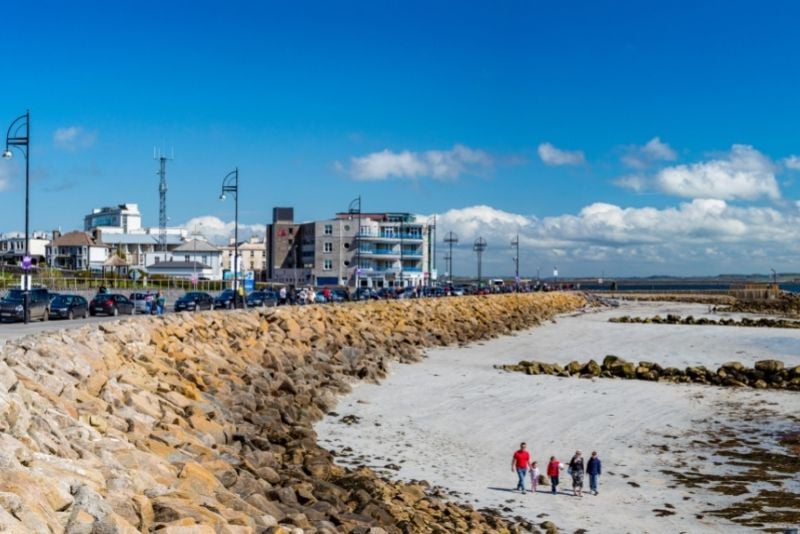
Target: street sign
(134, 275)
(27, 262)
(194, 279)
(25, 282)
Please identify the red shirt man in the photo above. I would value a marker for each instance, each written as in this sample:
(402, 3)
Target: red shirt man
(519, 464)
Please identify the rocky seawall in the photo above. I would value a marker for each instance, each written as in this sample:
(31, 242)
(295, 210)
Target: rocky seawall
(201, 423)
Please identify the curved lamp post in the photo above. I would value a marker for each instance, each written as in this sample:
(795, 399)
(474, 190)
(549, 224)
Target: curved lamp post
(230, 184)
(19, 135)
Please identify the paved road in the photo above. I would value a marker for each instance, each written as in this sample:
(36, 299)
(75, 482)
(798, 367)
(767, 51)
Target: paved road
(17, 330)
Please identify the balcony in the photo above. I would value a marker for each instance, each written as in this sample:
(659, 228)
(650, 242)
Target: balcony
(394, 237)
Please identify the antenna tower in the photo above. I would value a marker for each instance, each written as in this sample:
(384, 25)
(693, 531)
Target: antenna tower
(162, 197)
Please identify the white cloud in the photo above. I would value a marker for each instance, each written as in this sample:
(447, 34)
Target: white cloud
(643, 240)
(5, 176)
(218, 231)
(792, 162)
(555, 156)
(436, 164)
(639, 157)
(72, 138)
(743, 173)
(633, 182)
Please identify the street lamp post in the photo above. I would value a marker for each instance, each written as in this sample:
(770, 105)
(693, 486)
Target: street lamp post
(450, 239)
(355, 209)
(515, 243)
(230, 184)
(479, 246)
(19, 136)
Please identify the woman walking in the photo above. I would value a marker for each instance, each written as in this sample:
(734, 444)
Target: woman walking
(576, 469)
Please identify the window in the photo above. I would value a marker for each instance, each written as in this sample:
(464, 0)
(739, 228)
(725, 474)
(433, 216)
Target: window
(328, 246)
(327, 265)
(186, 258)
(328, 229)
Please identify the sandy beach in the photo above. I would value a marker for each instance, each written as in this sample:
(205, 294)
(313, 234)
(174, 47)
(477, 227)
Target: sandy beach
(454, 421)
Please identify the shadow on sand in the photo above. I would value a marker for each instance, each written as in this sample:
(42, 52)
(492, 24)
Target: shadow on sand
(547, 491)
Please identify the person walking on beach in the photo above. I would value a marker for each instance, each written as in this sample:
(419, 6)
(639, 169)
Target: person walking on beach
(534, 477)
(520, 463)
(552, 471)
(576, 469)
(593, 469)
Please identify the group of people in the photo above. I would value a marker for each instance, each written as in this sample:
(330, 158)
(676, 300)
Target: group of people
(155, 304)
(522, 464)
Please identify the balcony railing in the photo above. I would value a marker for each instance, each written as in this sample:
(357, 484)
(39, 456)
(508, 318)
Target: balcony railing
(383, 235)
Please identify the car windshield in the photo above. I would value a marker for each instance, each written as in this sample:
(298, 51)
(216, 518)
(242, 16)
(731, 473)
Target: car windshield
(15, 295)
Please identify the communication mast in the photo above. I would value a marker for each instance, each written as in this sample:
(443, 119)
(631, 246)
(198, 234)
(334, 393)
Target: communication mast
(162, 197)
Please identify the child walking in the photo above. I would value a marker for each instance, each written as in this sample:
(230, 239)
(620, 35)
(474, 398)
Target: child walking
(534, 477)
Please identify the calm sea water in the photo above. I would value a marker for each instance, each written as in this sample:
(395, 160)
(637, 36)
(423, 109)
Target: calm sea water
(655, 286)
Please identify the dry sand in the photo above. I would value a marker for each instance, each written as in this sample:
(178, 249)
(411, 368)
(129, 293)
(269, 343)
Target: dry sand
(454, 420)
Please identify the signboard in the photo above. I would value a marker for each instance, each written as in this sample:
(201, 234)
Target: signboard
(194, 279)
(27, 262)
(555, 272)
(249, 281)
(134, 275)
(25, 282)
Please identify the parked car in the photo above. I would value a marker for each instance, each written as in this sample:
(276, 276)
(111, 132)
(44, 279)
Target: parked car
(365, 293)
(69, 307)
(224, 299)
(140, 301)
(111, 304)
(194, 301)
(339, 294)
(11, 307)
(262, 298)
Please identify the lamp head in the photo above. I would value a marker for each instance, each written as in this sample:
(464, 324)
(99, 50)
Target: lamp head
(7, 154)
(222, 196)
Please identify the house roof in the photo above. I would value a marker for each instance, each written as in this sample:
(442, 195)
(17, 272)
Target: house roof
(75, 239)
(196, 245)
(176, 266)
(137, 239)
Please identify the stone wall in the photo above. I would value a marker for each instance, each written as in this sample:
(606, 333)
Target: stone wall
(195, 423)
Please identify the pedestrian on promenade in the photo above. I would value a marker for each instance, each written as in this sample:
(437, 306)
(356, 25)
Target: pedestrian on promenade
(534, 477)
(282, 296)
(576, 469)
(553, 469)
(161, 303)
(520, 463)
(593, 468)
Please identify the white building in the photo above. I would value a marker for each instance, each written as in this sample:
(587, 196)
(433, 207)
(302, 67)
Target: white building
(12, 247)
(195, 257)
(119, 218)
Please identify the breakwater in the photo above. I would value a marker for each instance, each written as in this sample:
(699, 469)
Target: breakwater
(202, 422)
(765, 374)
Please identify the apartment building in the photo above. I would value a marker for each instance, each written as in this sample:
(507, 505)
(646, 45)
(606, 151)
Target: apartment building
(252, 256)
(392, 250)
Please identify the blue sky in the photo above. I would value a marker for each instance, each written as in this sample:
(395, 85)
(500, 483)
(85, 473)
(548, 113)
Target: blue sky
(616, 137)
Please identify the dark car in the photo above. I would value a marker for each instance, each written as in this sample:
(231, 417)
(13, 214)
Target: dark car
(224, 299)
(111, 304)
(194, 301)
(262, 298)
(365, 293)
(339, 294)
(11, 307)
(68, 307)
